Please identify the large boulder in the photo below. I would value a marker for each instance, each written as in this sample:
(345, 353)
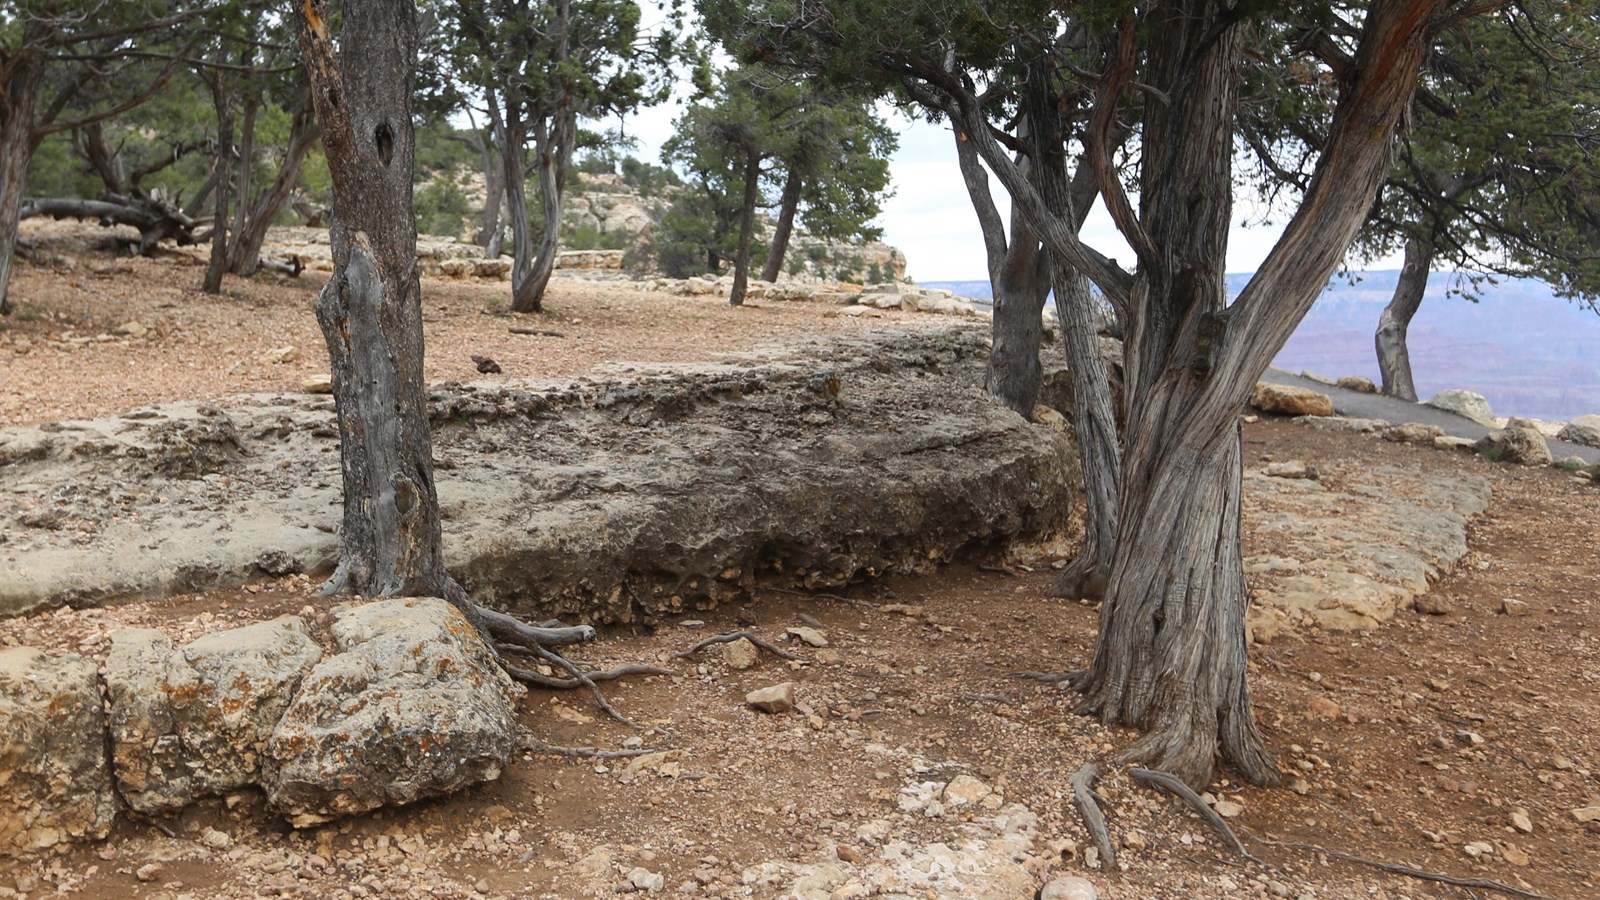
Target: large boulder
(1467, 404)
(195, 721)
(55, 785)
(1582, 430)
(1290, 401)
(1516, 443)
(412, 706)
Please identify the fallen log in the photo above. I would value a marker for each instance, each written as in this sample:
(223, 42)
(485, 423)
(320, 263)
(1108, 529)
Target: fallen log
(154, 217)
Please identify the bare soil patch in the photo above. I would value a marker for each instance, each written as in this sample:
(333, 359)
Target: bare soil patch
(1411, 742)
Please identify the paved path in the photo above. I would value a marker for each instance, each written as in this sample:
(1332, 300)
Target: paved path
(1355, 404)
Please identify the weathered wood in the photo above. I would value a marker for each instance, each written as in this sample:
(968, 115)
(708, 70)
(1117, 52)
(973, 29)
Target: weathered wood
(1394, 358)
(155, 217)
(16, 151)
(1082, 782)
(747, 226)
(788, 204)
(244, 251)
(370, 311)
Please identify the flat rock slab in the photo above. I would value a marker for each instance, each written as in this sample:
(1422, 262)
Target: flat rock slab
(55, 785)
(626, 496)
(1348, 551)
(412, 706)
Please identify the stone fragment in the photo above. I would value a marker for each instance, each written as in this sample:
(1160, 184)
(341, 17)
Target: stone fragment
(279, 355)
(194, 722)
(645, 880)
(1521, 821)
(1069, 887)
(1511, 606)
(1587, 814)
(1338, 423)
(778, 698)
(1451, 442)
(55, 785)
(318, 384)
(1476, 849)
(149, 872)
(811, 637)
(1522, 445)
(131, 329)
(1290, 401)
(1467, 404)
(1228, 809)
(1322, 708)
(1513, 854)
(1413, 433)
(412, 706)
(1294, 468)
(1581, 430)
(1434, 605)
(1358, 384)
(965, 790)
(740, 654)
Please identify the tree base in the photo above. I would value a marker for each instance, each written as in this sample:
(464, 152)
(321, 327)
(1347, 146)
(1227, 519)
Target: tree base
(1082, 579)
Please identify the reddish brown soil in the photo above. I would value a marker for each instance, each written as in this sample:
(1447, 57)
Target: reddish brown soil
(1399, 774)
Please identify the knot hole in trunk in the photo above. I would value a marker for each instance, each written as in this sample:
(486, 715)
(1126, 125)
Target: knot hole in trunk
(384, 138)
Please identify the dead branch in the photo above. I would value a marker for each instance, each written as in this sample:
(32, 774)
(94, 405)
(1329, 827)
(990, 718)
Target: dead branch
(1066, 677)
(1183, 792)
(732, 636)
(538, 332)
(567, 684)
(291, 267)
(583, 678)
(1082, 783)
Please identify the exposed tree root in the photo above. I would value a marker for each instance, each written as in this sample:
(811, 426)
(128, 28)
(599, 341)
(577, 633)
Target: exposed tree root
(1083, 579)
(1070, 677)
(1177, 788)
(732, 636)
(1082, 783)
(534, 745)
(1180, 790)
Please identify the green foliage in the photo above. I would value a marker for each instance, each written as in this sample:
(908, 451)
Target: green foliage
(441, 207)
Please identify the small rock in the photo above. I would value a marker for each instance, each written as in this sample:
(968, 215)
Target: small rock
(1438, 685)
(1228, 809)
(1070, 887)
(1434, 605)
(1479, 848)
(847, 853)
(811, 637)
(1357, 383)
(1133, 840)
(149, 872)
(1521, 821)
(740, 654)
(216, 840)
(1467, 404)
(1586, 814)
(1511, 606)
(778, 698)
(645, 880)
(486, 366)
(280, 355)
(131, 329)
(317, 384)
(1413, 433)
(1290, 401)
(1293, 468)
(1451, 442)
(1513, 854)
(1322, 708)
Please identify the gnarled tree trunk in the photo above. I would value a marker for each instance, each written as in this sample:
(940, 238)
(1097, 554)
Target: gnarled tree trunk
(224, 156)
(244, 252)
(787, 206)
(370, 311)
(1394, 359)
(553, 153)
(747, 227)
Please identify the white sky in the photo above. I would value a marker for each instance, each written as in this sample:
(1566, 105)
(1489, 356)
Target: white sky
(930, 218)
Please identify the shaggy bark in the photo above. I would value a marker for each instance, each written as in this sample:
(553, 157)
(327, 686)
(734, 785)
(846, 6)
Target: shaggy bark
(1394, 359)
(16, 151)
(788, 205)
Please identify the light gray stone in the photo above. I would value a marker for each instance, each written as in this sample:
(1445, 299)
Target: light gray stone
(1467, 404)
(55, 785)
(1582, 430)
(1413, 433)
(778, 698)
(412, 706)
(1338, 423)
(195, 721)
(740, 654)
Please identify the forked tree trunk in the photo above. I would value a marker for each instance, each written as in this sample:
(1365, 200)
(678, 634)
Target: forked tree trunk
(16, 151)
(787, 206)
(370, 311)
(553, 150)
(244, 252)
(747, 227)
(511, 132)
(1394, 359)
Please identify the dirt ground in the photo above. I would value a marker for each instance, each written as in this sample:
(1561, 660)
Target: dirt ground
(1457, 742)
